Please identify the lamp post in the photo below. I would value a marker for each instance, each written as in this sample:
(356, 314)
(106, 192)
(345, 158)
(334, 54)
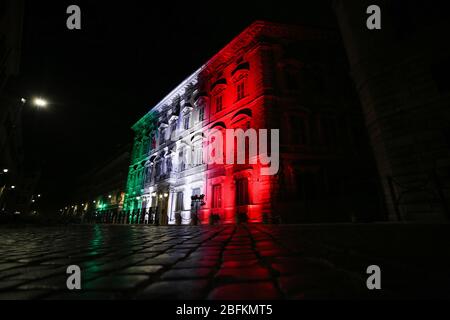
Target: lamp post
(196, 202)
(10, 177)
(3, 183)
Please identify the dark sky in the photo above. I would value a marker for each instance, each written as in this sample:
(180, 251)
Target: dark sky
(127, 57)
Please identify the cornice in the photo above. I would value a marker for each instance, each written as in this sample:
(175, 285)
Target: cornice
(252, 35)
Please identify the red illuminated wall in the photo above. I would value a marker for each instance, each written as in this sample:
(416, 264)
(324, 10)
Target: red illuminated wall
(222, 77)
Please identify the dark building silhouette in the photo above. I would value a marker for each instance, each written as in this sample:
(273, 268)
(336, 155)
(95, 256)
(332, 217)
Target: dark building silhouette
(15, 187)
(401, 74)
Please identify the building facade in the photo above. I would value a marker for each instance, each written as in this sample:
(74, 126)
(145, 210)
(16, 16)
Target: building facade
(271, 76)
(401, 76)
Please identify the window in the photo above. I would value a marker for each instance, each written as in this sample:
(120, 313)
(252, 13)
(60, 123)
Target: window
(132, 180)
(299, 130)
(291, 80)
(219, 105)
(173, 127)
(145, 145)
(137, 150)
(186, 122)
(158, 168)
(242, 192)
(201, 113)
(179, 204)
(217, 196)
(240, 90)
(162, 137)
(329, 131)
(308, 185)
(181, 163)
(198, 155)
(148, 175)
(169, 165)
(196, 192)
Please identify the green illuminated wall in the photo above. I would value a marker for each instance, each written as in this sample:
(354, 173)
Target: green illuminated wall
(143, 129)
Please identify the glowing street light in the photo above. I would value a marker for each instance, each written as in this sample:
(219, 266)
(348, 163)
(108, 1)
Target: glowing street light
(13, 187)
(40, 102)
(5, 170)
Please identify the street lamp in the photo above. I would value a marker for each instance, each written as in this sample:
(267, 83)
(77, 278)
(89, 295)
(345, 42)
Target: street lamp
(40, 102)
(5, 170)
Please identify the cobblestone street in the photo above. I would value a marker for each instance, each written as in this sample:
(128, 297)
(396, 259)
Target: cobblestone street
(221, 262)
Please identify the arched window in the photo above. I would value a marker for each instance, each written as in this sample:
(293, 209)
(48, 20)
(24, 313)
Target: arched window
(181, 160)
(162, 137)
(137, 149)
(186, 121)
(173, 128)
(240, 80)
(168, 165)
(148, 176)
(218, 103)
(216, 196)
(145, 147)
(242, 192)
(201, 113)
(153, 141)
(158, 168)
(197, 154)
(240, 90)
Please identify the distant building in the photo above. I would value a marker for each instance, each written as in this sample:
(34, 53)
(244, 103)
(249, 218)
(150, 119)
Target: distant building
(271, 76)
(14, 186)
(401, 74)
(101, 192)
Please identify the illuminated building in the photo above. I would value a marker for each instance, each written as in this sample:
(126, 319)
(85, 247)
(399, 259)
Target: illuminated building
(271, 76)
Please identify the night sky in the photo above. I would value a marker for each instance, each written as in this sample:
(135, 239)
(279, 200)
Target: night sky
(127, 57)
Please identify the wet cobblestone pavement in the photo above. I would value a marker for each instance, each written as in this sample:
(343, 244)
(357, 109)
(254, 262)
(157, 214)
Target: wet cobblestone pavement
(220, 262)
